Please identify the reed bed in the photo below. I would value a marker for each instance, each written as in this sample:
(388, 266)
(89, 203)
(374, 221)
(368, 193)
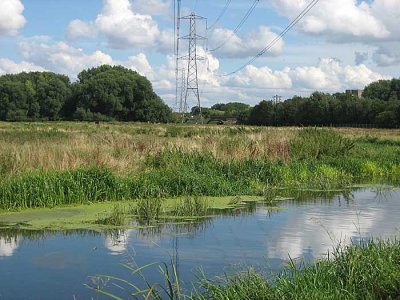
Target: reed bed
(367, 270)
(50, 164)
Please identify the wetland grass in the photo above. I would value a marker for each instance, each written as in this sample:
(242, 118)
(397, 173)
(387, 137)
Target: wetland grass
(69, 163)
(366, 270)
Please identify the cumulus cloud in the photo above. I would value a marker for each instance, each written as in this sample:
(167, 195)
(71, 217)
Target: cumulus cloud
(44, 54)
(61, 57)
(328, 75)
(127, 26)
(152, 7)
(124, 28)
(8, 66)
(249, 45)
(386, 56)
(11, 18)
(77, 29)
(360, 57)
(140, 64)
(345, 20)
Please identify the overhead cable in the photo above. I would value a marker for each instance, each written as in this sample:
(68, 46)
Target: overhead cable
(221, 14)
(246, 16)
(277, 38)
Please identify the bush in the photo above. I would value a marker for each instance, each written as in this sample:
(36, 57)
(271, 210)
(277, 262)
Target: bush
(314, 143)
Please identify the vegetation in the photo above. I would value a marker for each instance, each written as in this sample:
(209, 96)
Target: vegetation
(328, 110)
(52, 164)
(369, 270)
(102, 93)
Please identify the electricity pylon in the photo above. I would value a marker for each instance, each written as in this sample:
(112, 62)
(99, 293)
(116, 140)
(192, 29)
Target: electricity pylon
(192, 82)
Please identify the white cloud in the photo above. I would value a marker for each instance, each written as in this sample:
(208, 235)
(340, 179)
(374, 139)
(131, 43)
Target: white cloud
(11, 18)
(127, 26)
(140, 64)
(359, 76)
(386, 56)
(124, 28)
(8, 66)
(249, 45)
(343, 20)
(152, 7)
(60, 57)
(77, 29)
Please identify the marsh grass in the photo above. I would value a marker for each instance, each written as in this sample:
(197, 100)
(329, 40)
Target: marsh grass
(78, 163)
(49, 189)
(148, 209)
(191, 206)
(316, 143)
(366, 270)
(116, 217)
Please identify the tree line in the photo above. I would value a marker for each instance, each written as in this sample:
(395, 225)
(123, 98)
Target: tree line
(379, 106)
(102, 93)
(108, 93)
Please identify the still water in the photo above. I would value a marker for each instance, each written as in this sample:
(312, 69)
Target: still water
(57, 265)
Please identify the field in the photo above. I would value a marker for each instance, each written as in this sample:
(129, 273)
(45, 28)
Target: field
(53, 164)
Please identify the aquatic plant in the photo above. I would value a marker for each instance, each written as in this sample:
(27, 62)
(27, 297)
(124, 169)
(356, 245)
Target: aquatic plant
(148, 209)
(116, 217)
(191, 206)
(366, 270)
(316, 143)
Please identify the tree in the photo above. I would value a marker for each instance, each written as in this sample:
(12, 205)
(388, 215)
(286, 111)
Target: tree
(118, 93)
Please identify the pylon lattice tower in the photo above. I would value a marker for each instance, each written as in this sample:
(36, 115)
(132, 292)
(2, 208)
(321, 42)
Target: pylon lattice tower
(191, 86)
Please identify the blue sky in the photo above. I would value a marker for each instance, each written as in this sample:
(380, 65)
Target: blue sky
(339, 44)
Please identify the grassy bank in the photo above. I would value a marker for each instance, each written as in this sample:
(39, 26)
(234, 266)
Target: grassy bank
(370, 270)
(53, 164)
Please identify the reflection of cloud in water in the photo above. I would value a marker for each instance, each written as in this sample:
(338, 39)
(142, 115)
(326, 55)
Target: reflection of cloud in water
(322, 228)
(118, 242)
(8, 246)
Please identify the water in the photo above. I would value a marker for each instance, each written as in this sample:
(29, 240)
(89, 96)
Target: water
(56, 265)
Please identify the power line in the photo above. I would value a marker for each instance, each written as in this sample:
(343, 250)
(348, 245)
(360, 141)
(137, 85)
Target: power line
(221, 14)
(276, 39)
(246, 16)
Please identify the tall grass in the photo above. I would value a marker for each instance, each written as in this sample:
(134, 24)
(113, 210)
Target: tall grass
(370, 270)
(73, 164)
(49, 189)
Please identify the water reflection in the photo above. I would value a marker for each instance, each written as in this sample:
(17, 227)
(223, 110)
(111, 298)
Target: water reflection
(316, 229)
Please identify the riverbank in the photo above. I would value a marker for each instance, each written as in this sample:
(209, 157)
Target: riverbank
(365, 270)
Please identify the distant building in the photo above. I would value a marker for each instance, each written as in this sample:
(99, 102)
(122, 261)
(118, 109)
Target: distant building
(356, 93)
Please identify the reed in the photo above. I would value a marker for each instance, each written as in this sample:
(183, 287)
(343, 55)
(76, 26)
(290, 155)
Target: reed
(367, 270)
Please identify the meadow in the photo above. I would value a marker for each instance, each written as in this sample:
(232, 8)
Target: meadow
(53, 164)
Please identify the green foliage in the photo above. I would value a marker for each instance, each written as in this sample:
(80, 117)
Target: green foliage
(33, 96)
(385, 90)
(104, 93)
(49, 189)
(115, 218)
(314, 143)
(191, 206)
(330, 110)
(148, 209)
(369, 270)
(118, 93)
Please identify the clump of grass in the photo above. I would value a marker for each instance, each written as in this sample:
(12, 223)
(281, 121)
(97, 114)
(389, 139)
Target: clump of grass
(191, 206)
(148, 209)
(369, 270)
(116, 217)
(315, 143)
(49, 189)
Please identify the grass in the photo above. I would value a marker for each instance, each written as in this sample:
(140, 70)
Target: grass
(52, 164)
(369, 270)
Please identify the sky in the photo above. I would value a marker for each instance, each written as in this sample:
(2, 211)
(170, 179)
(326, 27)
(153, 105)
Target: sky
(338, 45)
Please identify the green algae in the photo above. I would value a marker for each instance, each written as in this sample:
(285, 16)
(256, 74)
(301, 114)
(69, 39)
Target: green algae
(88, 216)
